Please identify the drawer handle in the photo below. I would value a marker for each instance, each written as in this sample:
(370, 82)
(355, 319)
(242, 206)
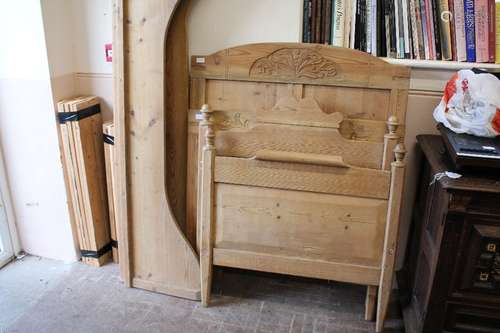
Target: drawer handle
(303, 158)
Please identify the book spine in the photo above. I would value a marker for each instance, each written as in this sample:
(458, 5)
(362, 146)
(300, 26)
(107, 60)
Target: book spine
(381, 30)
(491, 30)
(374, 28)
(451, 21)
(420, 31)
(470, 34)
(354, 16)
(437, 30)
(368, 26)
(397, 14)
(445, 30)
(306, 28)
(413, 20)
(497, 33)
(347, 22)
(406, 29)
(425, 31)
(313, 20)
(430, 30)
(388, 28)
(327, 22)
(394, 36)
(481, 28)
(338, 23)
(458, 14)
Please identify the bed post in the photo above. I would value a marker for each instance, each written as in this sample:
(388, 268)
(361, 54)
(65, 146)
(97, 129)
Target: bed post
(206, 212)
(391, 234)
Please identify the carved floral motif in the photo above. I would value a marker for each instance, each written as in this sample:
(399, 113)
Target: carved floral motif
(294, 63)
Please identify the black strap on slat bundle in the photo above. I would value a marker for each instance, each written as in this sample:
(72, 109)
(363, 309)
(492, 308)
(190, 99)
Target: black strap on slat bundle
(114, 243)
(99, 253)
(109, 139)
(79, 115)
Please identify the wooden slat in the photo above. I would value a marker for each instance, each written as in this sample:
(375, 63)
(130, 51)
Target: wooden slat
(353, 181)
(84, 155)
(109, 158)
(299, 139)
(293, 265)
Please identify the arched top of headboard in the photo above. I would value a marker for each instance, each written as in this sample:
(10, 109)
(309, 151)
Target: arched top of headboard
(301, 63)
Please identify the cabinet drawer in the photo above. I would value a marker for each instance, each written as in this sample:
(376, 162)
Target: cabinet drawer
(463, 318)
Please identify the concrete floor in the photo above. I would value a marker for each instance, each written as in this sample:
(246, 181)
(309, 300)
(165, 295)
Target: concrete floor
(40, 295)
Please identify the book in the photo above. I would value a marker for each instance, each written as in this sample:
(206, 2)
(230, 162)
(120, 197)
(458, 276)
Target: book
(354, 16)
(390, 28)
(338, 23)
(306, 28)
(458, 15)
(430, 30)
(348, 22)
(481, 29)
(425, 27)
(420, 32)
(491, 30)
(497, 32)
(452, 30)
(436, 32)
(444, 18)
(414, 37)
(327, 21)
(368, 18)
(470, 34)
(406, 29)
(381, 35)
(374, 28)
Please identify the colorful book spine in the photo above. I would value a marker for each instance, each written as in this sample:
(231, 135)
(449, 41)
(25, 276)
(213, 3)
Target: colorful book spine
(425, 29)
(470, 34)
(338, 23)
(414, 36)
(420, 32)
(445, 30)
(451, 21)
(430, 30)
(491, 30)
(497, 33)
(481, 27)
(459, 30)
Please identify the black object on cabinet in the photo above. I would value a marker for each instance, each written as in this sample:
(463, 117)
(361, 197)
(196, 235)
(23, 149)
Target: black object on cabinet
(451, 278)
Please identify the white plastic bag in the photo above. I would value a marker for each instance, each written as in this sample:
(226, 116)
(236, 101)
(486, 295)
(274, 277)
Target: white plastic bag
(471, 104)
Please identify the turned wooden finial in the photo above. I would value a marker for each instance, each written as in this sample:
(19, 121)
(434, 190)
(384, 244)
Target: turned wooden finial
(208, 122)
(392, 125)
(399, 153)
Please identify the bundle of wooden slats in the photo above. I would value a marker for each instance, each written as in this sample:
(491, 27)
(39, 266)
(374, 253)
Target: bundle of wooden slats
(83, 158)
(109, 155)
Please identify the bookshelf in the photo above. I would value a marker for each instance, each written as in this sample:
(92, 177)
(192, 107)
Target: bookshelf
(439, 38)
(443, 64)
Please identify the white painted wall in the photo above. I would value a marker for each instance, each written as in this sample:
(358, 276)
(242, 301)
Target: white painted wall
(92, 29)
(28, 133)
(218, 24)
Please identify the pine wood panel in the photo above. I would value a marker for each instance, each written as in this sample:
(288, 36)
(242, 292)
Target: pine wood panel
(154, 252)
(303, 177)
(313, 225)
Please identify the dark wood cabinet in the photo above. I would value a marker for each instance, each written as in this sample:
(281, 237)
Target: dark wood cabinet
(451, 277)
